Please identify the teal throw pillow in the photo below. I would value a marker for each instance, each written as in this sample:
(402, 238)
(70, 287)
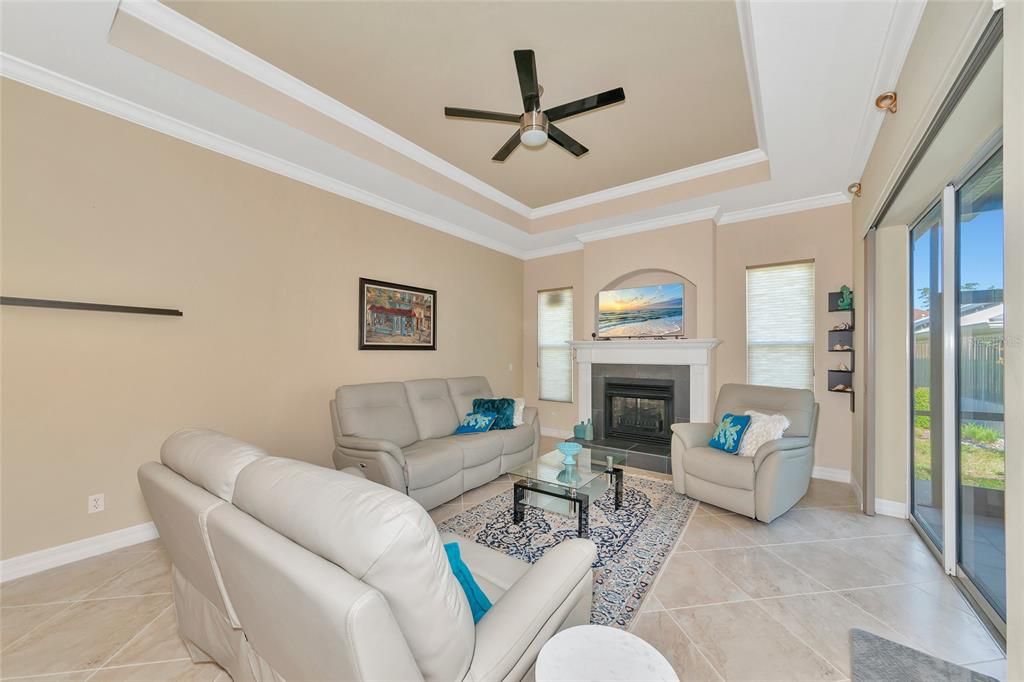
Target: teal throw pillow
(505, 408)
(478, 601)
(476, 422)
(730, 432)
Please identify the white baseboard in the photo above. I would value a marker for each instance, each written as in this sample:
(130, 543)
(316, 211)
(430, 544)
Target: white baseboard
(830, 474)
(555, 433)
(34, 562)
(890, 508)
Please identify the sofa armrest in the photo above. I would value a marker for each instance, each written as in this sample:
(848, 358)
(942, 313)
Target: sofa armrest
(354, 471)
(370, 446)
(693, 435)
(510, 627)
(529, 415)
(792, 446)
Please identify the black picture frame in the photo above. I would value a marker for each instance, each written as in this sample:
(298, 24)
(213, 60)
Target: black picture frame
(408, 319)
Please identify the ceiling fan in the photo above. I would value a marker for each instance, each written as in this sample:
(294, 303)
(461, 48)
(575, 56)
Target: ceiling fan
(536, 126)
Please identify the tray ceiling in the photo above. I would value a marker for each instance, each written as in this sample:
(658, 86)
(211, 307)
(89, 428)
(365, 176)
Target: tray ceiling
(681, 65)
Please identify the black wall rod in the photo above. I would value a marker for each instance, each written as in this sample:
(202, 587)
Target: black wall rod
(76, 305)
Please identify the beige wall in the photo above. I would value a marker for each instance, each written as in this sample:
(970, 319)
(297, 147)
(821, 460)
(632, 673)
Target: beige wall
(687, 250)
(819, 235)
(633, 260)
(552, 272)
(265, 270)
(947, 33)
(1013, 182)
(892, 371)
(714, 260)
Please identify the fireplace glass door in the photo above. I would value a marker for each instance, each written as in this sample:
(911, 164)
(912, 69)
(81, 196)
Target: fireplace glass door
(639, 409)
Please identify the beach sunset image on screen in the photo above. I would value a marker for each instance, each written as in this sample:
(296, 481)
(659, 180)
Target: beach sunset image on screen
(641, 311)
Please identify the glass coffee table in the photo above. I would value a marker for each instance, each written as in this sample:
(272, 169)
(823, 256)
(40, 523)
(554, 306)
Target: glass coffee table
(548, 479)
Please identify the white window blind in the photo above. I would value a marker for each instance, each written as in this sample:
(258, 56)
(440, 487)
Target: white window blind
(554, 356)
(780, 325)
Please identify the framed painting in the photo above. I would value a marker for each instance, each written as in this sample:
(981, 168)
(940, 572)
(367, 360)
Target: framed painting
(396, 317)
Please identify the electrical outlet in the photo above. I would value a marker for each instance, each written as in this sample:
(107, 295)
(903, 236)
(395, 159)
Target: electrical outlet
(95, 503)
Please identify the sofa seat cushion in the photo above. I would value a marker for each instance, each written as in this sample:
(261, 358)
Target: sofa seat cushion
(494, 572)
(719, 467)
(517, 439)
(431, 461)
(478, 448)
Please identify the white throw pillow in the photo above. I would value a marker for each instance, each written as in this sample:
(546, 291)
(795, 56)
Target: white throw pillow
(763, 428)
(517, 416)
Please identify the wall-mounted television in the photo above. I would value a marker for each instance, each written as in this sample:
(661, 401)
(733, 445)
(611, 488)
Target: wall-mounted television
(641, 311)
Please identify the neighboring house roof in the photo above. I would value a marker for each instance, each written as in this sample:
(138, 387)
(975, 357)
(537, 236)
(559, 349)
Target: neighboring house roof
(972, 315)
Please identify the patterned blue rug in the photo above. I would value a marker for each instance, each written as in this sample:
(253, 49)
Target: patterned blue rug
(632, 543)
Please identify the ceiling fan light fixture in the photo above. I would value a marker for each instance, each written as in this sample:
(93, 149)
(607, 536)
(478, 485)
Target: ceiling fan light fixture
(533, 130)
(533, 137)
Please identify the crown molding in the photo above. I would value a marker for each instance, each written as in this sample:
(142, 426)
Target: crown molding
(555, 250)
(781, 208)
(94, 98)
(746, 24)
(181, 28)
(184, 30)
(75, 91)
(899, 36)
(709, 213)
(700, 170)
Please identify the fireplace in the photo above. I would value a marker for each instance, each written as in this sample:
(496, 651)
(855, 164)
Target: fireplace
(639, 409)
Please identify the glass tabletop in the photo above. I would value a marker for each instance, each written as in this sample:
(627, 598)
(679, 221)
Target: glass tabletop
(591, 463)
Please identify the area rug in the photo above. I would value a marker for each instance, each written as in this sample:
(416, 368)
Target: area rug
(877, 659)
(632, 543)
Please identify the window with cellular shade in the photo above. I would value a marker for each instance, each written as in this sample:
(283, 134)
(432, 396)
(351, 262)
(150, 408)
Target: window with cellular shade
(554, 356)
(780, 325)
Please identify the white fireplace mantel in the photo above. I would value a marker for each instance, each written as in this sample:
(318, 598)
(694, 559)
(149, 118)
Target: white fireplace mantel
(693, 352)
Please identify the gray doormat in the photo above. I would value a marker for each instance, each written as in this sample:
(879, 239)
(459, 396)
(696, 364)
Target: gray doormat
(876, 659)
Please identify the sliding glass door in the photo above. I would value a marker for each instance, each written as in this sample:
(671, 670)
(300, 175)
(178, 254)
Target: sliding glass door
(956, 371)
(980, 413)
(926, 490)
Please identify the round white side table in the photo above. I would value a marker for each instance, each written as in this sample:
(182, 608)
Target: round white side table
(598, 653)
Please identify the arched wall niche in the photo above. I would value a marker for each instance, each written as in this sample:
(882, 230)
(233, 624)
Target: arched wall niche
(652, 277)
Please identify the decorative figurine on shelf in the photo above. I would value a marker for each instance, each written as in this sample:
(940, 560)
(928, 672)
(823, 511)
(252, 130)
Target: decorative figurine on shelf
(845, 301)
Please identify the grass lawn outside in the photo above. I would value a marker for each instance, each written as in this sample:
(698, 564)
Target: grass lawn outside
(981, 466)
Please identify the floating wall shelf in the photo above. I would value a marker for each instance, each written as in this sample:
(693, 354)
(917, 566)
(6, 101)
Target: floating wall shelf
(77, 305)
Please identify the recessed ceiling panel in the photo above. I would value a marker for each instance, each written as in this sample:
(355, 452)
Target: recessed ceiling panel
(681, 65)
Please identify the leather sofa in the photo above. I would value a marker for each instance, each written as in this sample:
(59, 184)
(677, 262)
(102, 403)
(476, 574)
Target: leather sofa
(284, 570)
(400, 434)
(762, 487)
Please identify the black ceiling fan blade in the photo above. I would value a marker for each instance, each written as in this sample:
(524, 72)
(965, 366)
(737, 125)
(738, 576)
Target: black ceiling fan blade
(507, 148)
(481, 115)
(562, 139)
(586, 104)
(526, 67)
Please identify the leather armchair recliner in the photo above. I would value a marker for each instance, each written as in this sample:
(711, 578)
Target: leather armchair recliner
(762, 487)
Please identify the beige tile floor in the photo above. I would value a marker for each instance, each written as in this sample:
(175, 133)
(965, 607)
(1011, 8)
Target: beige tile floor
(738, 600)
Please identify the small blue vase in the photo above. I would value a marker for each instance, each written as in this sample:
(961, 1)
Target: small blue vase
(569, 452)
